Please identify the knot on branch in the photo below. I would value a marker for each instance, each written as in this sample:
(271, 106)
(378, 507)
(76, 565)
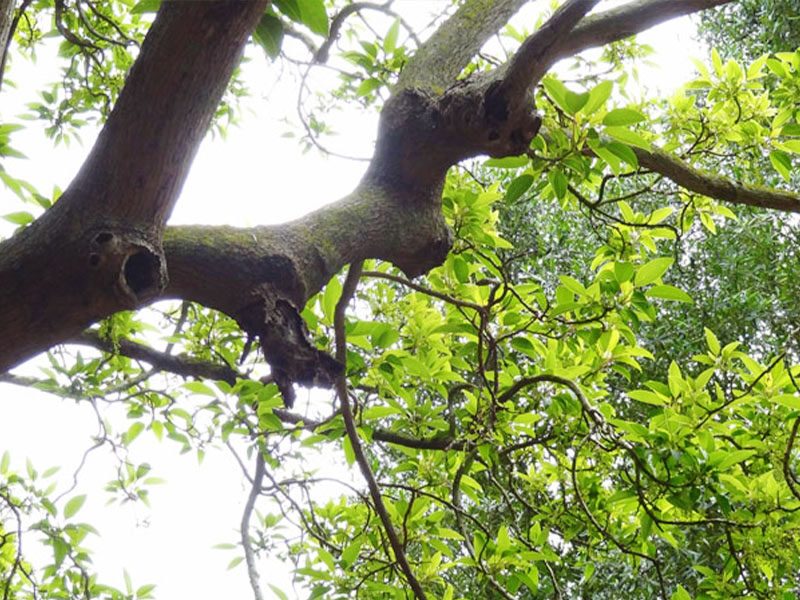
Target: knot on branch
(128, 263)
(422, 134)
(284, 338)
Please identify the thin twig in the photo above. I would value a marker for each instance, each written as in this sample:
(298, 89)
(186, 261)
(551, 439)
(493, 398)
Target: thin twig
(249, 555)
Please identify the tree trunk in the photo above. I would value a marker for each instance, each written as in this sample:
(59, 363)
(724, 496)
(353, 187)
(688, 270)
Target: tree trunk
(98, 249)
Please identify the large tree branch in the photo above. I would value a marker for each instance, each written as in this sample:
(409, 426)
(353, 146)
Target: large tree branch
(568, 32)
(440, 60)
(99, 249)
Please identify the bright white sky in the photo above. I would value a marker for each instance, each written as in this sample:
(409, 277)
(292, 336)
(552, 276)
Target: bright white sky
(254, 177)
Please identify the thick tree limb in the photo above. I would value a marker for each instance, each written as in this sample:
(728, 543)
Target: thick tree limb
(137, 167)
(440, 60)
(99, 249)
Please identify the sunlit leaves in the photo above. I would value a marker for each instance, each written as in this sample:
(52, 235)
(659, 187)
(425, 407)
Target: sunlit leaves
(652, 270)
(73, 506)
(622, 117)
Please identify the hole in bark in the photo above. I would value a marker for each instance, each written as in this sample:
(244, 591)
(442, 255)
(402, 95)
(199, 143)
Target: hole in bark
(494, 135)
(142, 271)
(103, 238)
(94, 260)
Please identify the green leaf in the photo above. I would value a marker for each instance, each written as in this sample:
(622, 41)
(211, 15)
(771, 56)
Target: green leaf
(556, 91)
(330, 297)
(269, 35)
(626, 136)
(290, 8)
(19, 218)
(198, 387)
(350, 553)
(368, 86)
(624, 152)
(379, 412)
(792, 146)
(349, 453)
(390, 41)
(509, 162)
(461, 269)
(601, 150)
(788, 400)
(573, 285)
(146, 6)
(623, 271)
(518, 186)
(648, 397)
(312, 13)
(4, 462)
(575, 102)
(668, 292)
(733, 458)
(558, 181)
(278, 592)
(712, 341)
(621, 117)
(598, 96)
(74, 505)
(782, 164)
(680, 594)
(652, 270)
(133, 432)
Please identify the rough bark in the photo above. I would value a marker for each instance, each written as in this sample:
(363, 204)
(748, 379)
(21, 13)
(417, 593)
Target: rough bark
(440, 60)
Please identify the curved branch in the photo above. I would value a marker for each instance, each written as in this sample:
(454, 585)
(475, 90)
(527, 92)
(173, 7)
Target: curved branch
(9, 20)
(530, 62)
(98, 249)
(627, 20)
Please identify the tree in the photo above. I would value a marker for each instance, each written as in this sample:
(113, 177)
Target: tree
(496, 397)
